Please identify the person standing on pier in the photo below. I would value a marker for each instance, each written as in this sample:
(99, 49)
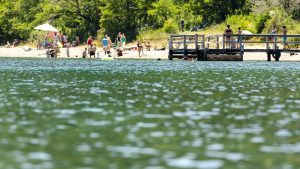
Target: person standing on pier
(284, 38)
(273, 32)
(228, 33)
(239, 40)
(182, 25)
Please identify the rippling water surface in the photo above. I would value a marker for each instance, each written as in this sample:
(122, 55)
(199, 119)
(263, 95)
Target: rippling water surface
(87, 114)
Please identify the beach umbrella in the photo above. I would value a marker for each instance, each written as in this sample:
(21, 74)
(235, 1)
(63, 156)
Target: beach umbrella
(46, 27)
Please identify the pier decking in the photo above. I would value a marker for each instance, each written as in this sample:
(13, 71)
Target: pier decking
(200, 47)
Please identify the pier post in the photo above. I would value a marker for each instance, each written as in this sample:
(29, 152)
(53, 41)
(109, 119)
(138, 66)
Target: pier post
(170, 57)
(197, 47)
(208, 42)
(276, 54)
(267, 43)
(203, 42)
(185, 47)
(275, 42)
(196, 41)
(269, 55)
(218, 41)
(223, 42)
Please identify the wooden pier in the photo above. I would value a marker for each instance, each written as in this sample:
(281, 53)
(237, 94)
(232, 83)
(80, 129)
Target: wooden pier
(201, 47)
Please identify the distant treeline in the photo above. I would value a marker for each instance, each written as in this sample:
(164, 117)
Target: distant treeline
(97, 17)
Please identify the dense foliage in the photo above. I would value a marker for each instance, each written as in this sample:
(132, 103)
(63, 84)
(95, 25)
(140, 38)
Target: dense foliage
(98, 17)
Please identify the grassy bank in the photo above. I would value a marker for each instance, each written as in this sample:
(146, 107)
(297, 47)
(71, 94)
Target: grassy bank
(256, 23)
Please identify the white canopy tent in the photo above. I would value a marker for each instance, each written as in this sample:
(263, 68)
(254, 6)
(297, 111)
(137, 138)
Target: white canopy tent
(46, 27)
(246, 32)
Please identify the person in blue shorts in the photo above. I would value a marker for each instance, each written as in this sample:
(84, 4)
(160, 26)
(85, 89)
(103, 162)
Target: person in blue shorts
(284, 38)
(105, 44)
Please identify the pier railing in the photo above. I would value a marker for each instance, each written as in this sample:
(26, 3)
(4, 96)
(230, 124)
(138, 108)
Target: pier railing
(262, 42)
(187, 42)
(201, 45)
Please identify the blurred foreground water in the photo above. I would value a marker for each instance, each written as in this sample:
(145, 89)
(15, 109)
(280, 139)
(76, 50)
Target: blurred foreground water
(88, 114)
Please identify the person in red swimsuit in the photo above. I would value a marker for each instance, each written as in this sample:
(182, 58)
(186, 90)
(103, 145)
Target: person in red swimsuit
(89, 41)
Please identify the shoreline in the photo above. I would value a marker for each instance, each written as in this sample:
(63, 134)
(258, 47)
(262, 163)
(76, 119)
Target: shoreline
(127, 54)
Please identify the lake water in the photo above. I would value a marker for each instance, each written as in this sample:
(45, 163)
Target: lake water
(88, 114)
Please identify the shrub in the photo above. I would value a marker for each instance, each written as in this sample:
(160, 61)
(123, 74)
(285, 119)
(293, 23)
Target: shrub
(261, 22)
(170, 27)
(246, 22)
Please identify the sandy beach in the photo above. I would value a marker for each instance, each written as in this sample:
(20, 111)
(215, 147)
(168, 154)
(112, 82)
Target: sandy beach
(76, 52)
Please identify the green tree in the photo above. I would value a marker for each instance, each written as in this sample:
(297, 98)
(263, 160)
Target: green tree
(162, 11)
(119, 16)
(74, 17)
(16, 18)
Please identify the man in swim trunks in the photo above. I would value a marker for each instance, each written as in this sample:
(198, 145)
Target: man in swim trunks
(92, 50)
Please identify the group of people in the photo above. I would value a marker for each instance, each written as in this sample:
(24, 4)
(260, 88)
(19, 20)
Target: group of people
(14, 44)
(228, 32)
(107, 44)
(284, 32)
(61, 41)
(140, 47)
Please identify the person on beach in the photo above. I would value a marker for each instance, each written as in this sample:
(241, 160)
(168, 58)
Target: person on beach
(109, 45)
(56, 51)
(284, 38)
(15, 43)
(182, 25)
(45, 43)
(228, 33)
(56, 38)
(118, 41)
(68, 49)
(92, 50)
(148, 46)
(77, 40)
(95, 49)
(84, 53)
(123, 40)
(105, 44)
(89, 41)
(65, 40)
(38, 45)
(139, 48)
(61, 39)
(7, 44)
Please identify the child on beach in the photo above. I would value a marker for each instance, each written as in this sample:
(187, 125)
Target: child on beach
(84, 53)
